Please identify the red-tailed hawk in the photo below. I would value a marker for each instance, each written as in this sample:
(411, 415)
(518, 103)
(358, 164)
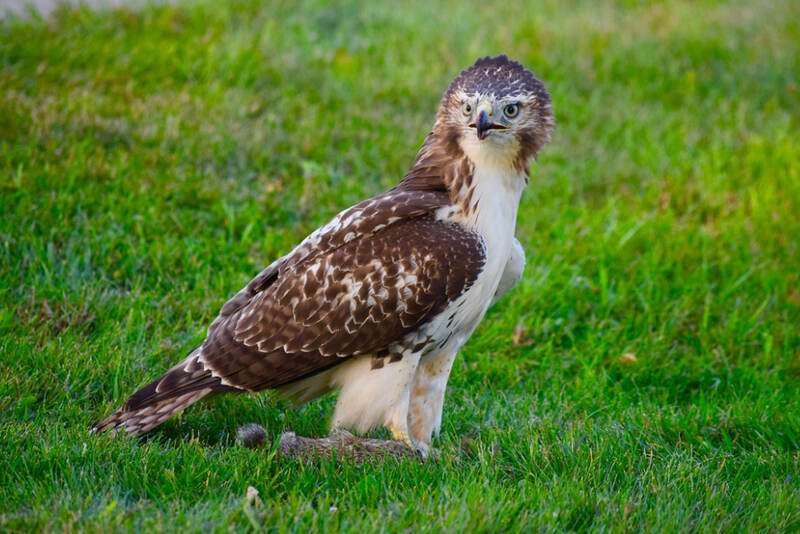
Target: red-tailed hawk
(377, 302)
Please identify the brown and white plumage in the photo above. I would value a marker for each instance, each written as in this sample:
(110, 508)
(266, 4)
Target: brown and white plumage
(377, 302)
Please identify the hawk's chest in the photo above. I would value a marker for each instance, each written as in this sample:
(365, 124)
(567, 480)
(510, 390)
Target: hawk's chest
(491, 213)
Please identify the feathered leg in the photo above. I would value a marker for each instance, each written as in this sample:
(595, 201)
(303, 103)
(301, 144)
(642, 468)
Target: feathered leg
(427, 396)
(371, 397)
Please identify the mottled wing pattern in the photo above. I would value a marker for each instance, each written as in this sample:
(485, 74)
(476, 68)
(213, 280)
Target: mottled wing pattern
(359, 285)
(363, 219)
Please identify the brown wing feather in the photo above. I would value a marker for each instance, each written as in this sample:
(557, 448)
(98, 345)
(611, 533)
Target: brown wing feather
(363, 219)
(360, 289)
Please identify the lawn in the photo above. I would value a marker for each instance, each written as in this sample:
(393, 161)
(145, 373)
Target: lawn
(645, 374)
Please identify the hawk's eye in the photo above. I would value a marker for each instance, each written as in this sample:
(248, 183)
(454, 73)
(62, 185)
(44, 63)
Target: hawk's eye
(511, 110)
(466, 108)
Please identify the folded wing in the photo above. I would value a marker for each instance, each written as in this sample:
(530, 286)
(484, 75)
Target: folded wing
(357, 286)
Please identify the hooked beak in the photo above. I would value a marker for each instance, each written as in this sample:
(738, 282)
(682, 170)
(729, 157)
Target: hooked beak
(483, 125)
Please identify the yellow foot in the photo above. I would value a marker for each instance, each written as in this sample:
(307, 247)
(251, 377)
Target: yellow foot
(402, 435)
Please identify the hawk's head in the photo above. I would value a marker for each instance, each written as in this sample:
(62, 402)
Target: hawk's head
(496, 111)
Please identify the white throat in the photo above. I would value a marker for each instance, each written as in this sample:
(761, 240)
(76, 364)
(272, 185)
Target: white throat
(495, 197)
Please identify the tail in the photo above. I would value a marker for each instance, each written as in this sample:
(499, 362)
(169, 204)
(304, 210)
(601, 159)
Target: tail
(180, 387)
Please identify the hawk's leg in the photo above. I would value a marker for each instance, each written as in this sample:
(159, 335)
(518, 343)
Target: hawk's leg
(430, 380)
(513, 271)
(371, 396)
(427, 397)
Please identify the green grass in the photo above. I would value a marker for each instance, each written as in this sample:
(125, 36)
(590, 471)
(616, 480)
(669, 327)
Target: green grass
(152, 161)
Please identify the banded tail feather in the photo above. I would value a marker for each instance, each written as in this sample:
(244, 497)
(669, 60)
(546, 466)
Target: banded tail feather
(179, 388)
